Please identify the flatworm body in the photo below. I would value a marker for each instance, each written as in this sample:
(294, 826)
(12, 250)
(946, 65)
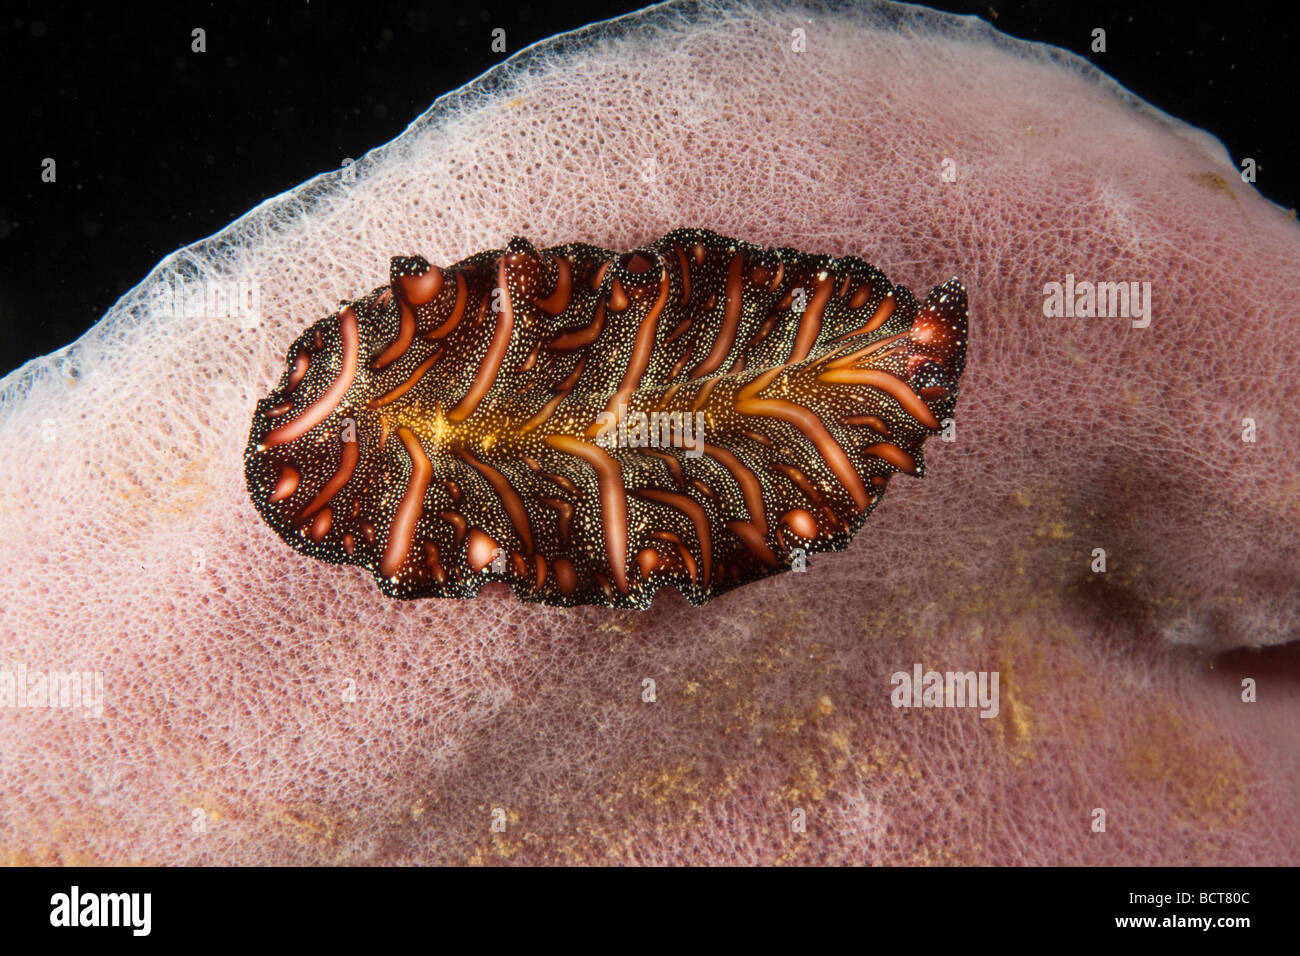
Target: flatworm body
(590, 426)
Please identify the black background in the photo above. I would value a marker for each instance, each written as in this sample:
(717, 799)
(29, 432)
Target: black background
(905, 910)
(158, 147)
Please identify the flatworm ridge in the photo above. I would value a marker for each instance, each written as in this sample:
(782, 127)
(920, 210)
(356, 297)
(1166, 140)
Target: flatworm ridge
(589, 426)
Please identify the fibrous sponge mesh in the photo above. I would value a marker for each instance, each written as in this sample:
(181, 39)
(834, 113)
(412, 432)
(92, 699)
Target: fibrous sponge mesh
(260, 706)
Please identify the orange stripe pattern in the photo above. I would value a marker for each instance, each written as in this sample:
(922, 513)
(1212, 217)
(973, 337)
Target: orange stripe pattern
(589, 426)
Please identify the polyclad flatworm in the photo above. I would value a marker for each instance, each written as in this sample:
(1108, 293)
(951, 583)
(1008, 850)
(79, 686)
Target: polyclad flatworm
(590, 427)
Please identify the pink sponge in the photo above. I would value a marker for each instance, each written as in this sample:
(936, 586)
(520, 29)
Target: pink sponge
(1117, 501)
